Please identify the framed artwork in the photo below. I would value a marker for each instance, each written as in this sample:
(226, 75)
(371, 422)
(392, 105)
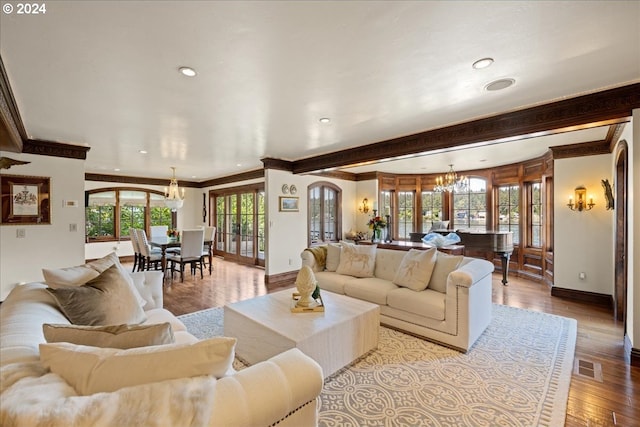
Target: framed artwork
(289, 204)
(25, 200)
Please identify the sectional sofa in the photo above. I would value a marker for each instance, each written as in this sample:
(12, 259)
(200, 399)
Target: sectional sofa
(443, 298)
(161, 384)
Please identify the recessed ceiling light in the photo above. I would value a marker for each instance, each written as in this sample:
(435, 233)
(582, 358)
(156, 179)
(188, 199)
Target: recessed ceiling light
(238, 164)
(142, 151)
(116, 170)
(193, 176)
(482, 63)
(325, 120)
(187, 71)
(499, 84)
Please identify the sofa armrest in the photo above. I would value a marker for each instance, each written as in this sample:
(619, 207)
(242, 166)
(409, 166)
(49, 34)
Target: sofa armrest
(269, 391)
(149, 284)
(309, 260)
(470, 272)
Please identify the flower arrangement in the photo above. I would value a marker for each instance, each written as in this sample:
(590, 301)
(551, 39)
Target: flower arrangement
(376, 222)
(172, 232)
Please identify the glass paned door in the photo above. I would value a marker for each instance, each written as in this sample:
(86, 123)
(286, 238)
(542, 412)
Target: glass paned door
(241, 217)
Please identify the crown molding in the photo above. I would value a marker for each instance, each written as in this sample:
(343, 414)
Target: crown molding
(12, 131)
(244, 176)
(580, 150)
(122, 179)
(55, 149)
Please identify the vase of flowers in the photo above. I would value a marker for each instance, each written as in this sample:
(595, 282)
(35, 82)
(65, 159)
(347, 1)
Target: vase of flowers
(173, 234)
(376, 224)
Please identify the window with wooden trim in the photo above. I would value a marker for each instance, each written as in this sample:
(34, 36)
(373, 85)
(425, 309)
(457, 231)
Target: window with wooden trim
(535, 214)
(325, 212)
(431, 209)
(470, 207)
(509, 210)
(111, 212)
(405, 217)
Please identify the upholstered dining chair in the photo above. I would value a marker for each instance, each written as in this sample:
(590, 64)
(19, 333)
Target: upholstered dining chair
(191, 244)
(136, 248)
(148, 256)
(207, 250)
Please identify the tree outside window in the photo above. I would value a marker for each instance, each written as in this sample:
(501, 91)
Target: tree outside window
(324, 213)
(405, 214)
(509, 210)
(470, 207)
(535, 214)
(431, 209)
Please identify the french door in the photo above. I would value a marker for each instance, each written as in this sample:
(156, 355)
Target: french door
(239, 217)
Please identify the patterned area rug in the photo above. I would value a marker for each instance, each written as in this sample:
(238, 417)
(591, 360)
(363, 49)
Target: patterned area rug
(517, 374)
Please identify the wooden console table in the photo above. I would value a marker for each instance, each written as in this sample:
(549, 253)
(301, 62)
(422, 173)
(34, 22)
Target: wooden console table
(405, 246)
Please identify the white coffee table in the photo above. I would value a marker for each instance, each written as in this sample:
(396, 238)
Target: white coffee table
(265, 326)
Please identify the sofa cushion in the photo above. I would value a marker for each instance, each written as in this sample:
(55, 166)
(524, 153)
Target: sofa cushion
(370, 289)
(387, 263)
(425, 303)
(81, 274)
(445, 264)
(332, 281)
(333, 256)
(92, 370)
(357, 260)
(105, 300)
(415, 269)
(113, 336)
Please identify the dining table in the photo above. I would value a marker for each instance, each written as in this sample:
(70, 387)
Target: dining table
(165, 242)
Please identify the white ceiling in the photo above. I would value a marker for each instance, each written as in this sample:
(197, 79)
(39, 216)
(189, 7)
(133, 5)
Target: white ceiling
(104, 74)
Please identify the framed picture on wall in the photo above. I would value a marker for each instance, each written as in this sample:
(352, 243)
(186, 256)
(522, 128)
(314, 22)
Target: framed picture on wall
(25, 200)
(289, 204)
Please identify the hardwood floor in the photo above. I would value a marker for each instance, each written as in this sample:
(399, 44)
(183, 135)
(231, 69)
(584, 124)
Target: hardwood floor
(613, 402)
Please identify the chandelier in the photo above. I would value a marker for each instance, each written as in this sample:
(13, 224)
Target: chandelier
(451, 183)
(173, 196)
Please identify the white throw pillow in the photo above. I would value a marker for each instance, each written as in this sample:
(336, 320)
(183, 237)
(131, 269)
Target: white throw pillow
(112, 336)
(333, 256)
(415, 269)
(445, 264)
(81, 274)
(357, 260)
(92, 370)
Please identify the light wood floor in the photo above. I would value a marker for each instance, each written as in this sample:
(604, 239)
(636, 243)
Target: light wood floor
(614, 401)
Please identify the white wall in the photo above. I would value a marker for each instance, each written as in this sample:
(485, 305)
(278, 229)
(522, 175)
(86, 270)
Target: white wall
(48, 245)
(368, 189)
(287, 231)
(583, 240)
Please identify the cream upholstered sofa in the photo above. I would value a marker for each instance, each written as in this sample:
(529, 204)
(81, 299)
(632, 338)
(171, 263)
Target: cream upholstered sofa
(282, 390)
(443, 298)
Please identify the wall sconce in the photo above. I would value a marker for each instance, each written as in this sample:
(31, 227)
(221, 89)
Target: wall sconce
(364, 208)
(581, 201)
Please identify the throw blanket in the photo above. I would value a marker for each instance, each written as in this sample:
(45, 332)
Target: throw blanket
(32, 396)
(320, 254)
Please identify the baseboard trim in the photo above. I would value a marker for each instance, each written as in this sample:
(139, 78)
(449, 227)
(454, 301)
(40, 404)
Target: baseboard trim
(631, 355)
(280, 280)
(584, 296)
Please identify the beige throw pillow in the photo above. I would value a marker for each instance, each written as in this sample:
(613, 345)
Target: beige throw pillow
(113, 336)
(81, 274)
(445, 264)
(92, 370)
(415, 269)
(333, 256)
(105, 300)
(357, 260)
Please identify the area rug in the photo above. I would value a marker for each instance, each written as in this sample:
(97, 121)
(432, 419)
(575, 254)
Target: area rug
(517, 374)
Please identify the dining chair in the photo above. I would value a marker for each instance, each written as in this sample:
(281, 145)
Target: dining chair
(148, 255)
(191, 244)
(207, 250)
(136, 248)
(158, 230)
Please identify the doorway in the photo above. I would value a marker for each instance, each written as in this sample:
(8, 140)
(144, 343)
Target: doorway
(620, 183)
(238, 214)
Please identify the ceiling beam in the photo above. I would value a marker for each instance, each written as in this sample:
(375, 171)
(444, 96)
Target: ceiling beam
(12, 131)
(597, 109)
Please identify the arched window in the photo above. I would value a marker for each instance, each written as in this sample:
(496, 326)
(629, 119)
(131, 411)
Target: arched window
(110, 212)
(325, 213)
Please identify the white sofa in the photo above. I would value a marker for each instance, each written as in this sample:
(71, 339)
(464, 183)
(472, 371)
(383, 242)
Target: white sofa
(282, 390)
(455, 318)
